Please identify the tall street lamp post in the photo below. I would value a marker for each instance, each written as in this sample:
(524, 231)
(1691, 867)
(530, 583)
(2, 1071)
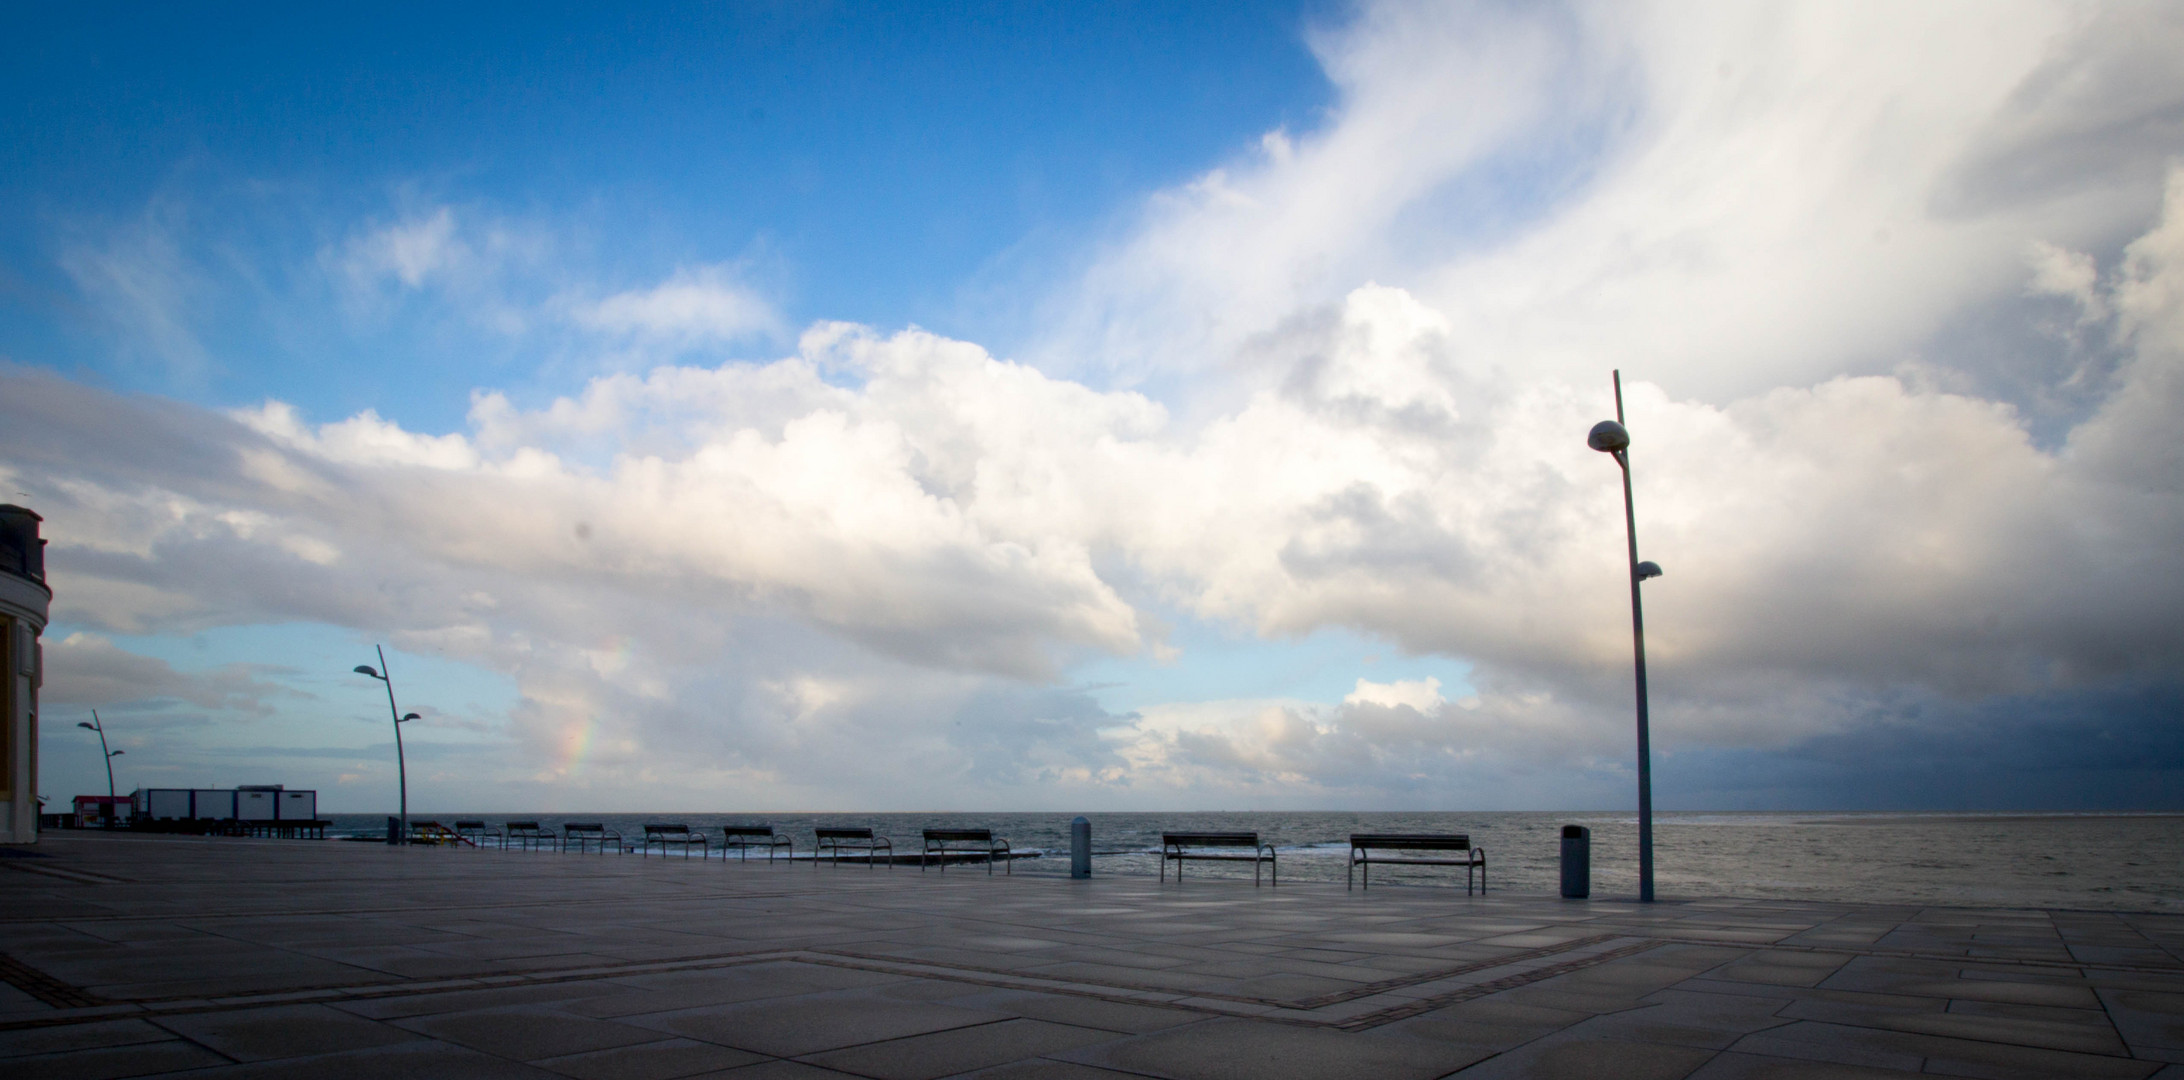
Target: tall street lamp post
(1611, 438)
(109, 755)
(401, 766)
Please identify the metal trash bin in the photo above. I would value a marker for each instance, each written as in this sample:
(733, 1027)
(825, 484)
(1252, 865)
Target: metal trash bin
(1576, 862)
(1080, 848)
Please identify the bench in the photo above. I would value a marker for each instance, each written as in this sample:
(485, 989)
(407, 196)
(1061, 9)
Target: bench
(529, 835)
(583, 833)
(665, 834)
(1362, 845)
(473, 833)
(1178, 847)
(745, 837)
(937, 841)
(838, 840)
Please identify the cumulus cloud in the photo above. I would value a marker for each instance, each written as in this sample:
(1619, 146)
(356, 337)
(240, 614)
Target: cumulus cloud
(816, 558)
(868, 565)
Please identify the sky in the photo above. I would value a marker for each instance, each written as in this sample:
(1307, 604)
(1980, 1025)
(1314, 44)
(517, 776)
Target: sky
(1103, 406)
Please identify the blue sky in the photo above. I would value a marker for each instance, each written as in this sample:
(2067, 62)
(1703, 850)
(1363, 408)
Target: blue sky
(890, 164)
(1120, 406)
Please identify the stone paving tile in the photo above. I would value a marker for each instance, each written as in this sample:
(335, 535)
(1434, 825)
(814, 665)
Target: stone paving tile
(670, 991)
(437, 1061)
(283, 1032)
(1795, 1042)
(1943, 1054)
(946, 1053)
(395, 1008)
(2091, 1036)
(53, 1040)
(1591, 1004)
(793, 1027)
(1247, 1050)
(2147, 1018)
(1558, 1058)
(1042, 1069)
(1281, 987)
(667, 1059)
(1115, 1016)
(103, 1063)
(777, 1070)
(1169, 981)
(1742, 1066)
(1709, 1021)
(528, 1034)
(1783, 968)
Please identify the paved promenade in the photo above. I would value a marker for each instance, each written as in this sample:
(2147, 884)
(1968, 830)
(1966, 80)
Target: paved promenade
(218, 958)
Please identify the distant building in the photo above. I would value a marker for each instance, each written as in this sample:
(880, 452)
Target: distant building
(24, 602)
(104, 811)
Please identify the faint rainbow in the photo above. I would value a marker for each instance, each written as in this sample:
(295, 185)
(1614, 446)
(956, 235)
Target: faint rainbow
(578, 739)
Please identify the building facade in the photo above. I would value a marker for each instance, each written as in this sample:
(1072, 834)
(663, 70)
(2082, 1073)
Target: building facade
(24, 603)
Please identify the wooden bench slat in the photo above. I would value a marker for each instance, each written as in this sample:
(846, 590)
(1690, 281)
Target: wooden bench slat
(836, 838)
(937, 841)
(1173, 847)
(745, 837)
(586, 832)
(1411, 841)
(1362, 845)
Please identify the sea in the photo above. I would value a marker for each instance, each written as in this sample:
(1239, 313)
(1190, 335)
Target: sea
(2110, 862)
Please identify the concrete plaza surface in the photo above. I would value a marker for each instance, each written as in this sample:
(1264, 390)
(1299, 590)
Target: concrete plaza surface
(219, 957)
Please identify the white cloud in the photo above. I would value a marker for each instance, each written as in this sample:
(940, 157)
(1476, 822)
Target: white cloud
(89, 670)
(146, 290)
(860, 568)
(469, 266)
(410, 251)
(694, 306)
(1423, 695)
(1724, 197)
(804, 565)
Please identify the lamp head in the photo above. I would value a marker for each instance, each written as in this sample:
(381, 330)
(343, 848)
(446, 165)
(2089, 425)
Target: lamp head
(1608, 437)
(366, 669)
(86, 725)
(117, 753)
(1648, 570)
(407, 717)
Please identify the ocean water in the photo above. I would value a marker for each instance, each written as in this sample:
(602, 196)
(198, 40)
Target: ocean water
(2128, 862)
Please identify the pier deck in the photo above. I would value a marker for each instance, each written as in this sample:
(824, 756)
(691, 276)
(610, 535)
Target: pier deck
(226, 957)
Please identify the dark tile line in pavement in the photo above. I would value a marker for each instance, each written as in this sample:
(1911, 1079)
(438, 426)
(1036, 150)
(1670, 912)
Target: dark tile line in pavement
(1494, 986)
(86, 1009)
(45, 987)
(1360, 1022)
(100, 1009)
(1866, 952)
(1319, 1001)
(79, 877)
